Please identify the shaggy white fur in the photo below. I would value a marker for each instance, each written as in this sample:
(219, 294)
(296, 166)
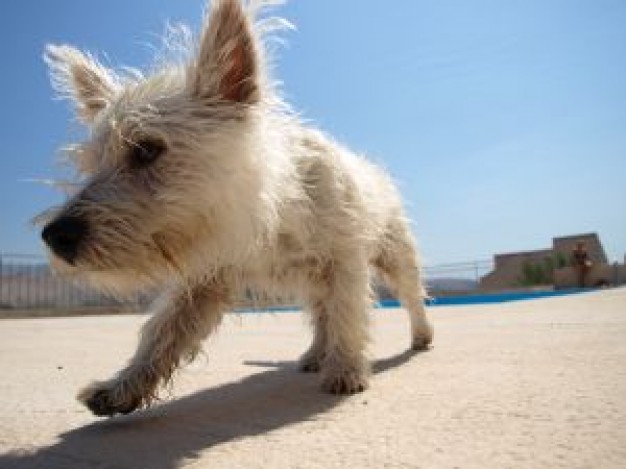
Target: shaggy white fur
(198, 179)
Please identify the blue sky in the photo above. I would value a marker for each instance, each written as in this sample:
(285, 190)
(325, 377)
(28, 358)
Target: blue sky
(504, 122)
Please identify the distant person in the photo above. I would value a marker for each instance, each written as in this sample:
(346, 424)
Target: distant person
(581, 263)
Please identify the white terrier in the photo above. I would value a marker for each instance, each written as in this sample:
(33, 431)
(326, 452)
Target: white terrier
(197, 178)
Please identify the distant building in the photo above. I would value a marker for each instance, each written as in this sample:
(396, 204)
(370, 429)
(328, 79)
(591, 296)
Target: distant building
(566, 244)
(551, 267)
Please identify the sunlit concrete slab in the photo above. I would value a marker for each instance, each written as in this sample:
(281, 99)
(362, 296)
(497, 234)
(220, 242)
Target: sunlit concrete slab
(529, 384)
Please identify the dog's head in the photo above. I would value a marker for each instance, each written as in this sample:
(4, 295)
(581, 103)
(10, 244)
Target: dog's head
(172, 161)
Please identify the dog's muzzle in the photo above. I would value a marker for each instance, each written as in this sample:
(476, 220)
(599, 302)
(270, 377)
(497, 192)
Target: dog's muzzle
(64, 236)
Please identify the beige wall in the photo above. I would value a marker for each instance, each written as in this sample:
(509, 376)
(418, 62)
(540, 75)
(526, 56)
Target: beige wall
(598, 274)
(566, 245)
(508, 269)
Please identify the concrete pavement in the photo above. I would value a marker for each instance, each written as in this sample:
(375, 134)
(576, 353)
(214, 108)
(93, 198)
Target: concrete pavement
(529, 384)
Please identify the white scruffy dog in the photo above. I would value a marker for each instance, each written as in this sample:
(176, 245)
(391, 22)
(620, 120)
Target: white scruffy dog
(197, 178)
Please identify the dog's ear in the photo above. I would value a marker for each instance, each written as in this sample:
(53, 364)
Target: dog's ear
(81, 78)
(227, 63)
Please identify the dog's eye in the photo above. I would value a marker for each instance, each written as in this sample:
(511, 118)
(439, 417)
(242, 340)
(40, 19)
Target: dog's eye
(146, 152)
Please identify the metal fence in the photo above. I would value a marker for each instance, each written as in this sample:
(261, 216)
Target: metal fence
(26, 283)
(461, 275)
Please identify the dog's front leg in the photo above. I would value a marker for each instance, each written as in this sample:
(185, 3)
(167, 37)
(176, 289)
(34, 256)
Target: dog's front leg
(183, 319)
(346, 303)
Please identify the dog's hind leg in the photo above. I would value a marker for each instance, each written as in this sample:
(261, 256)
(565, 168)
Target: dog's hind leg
(400, 267)
(172, 335)
(311, 360)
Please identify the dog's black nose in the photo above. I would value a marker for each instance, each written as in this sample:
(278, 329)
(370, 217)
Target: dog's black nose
(64, 236)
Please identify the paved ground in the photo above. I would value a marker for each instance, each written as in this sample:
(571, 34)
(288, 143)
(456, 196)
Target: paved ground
(530, 384)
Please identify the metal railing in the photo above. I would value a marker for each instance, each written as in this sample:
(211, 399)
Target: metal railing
(471, 272)
(26, 283)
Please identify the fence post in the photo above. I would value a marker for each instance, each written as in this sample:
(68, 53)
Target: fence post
(1, 282)
(7, 282)
(28, 275)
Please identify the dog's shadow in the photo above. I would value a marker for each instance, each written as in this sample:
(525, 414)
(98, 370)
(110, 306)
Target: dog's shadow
(163, 436)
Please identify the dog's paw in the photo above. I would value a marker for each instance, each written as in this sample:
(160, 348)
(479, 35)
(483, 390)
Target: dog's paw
(345, 382)
(422, 337)
(309, 363)
(421, 343)
(106, 399)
